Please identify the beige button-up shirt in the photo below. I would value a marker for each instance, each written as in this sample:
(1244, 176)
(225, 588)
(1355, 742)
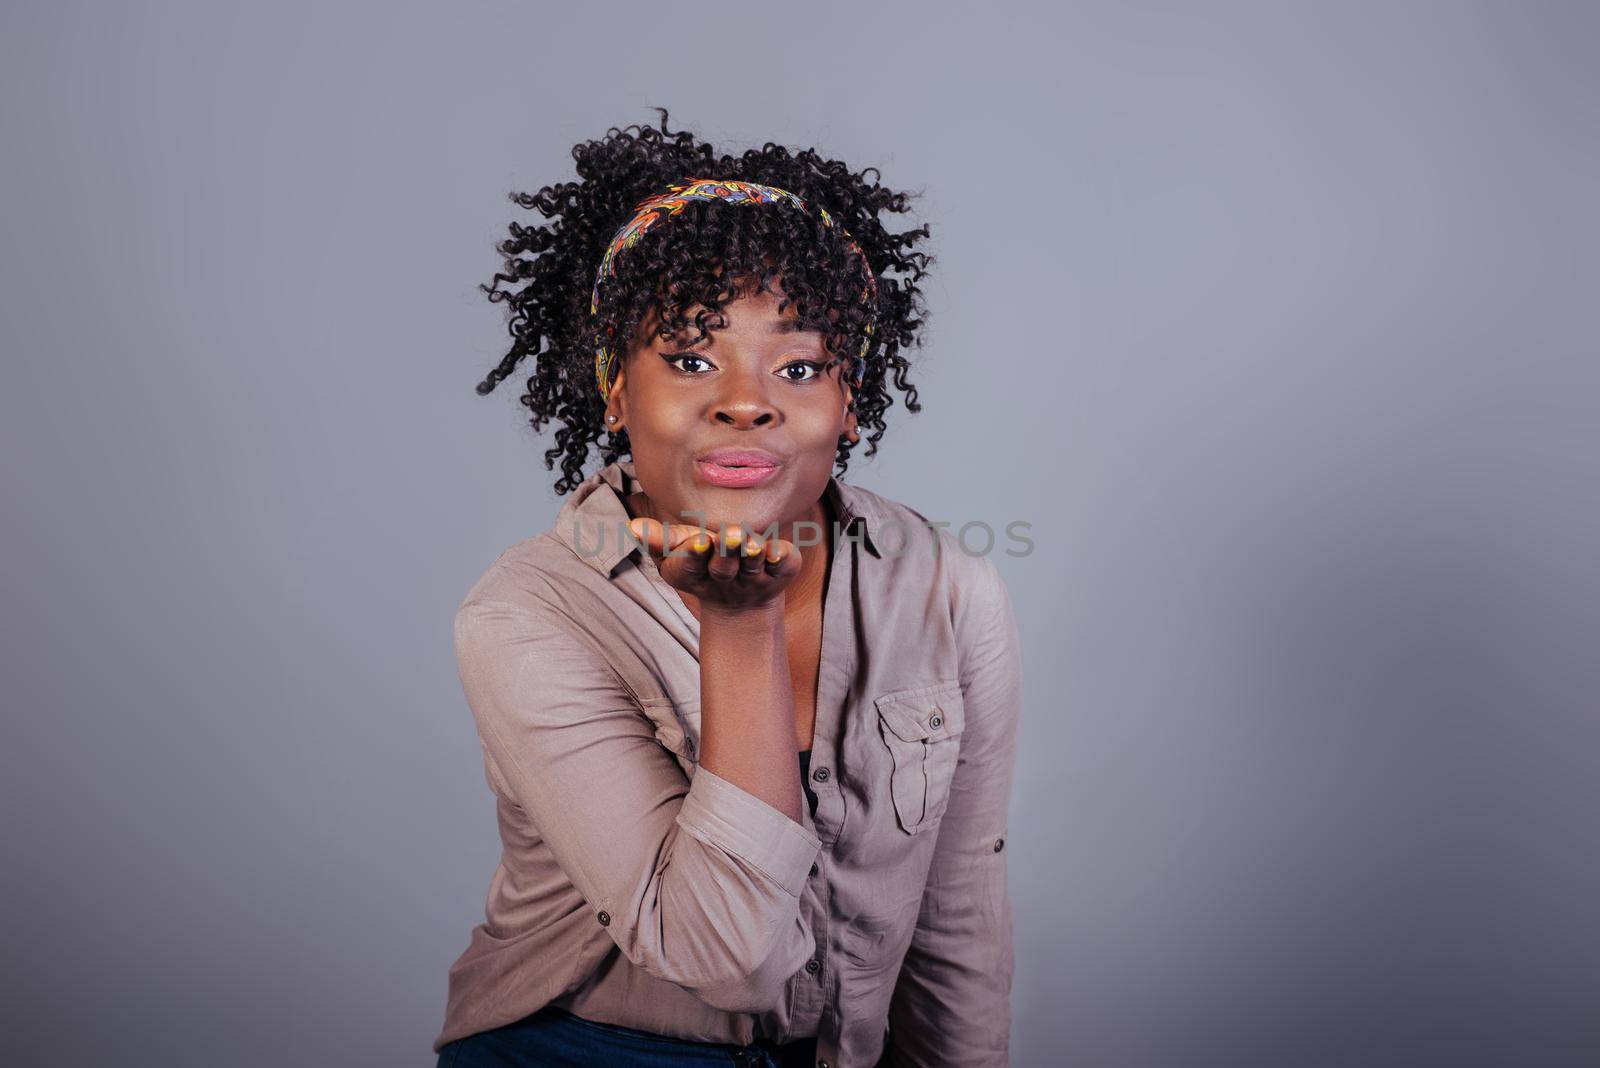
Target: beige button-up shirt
(638, 889)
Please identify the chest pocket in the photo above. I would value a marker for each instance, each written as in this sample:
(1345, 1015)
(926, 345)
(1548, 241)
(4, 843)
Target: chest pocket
(922, 728)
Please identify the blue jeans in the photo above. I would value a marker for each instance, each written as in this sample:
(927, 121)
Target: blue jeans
(555, 1038)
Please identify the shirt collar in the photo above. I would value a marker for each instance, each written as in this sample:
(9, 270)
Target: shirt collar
(593, 523)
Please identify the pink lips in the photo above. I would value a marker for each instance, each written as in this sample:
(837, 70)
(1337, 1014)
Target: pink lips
(737, 468)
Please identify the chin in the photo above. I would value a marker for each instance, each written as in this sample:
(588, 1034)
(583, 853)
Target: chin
(723, 507)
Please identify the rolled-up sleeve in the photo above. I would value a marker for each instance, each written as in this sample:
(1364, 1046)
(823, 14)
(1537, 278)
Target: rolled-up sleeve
(695, 879)
(952, 1001)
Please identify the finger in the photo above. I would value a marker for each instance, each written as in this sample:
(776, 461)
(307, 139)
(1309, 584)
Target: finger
(698, 550)
(701, 545)
(679, 535)
(674, 542)
(777, 557)
(675, 539)
(649, 533)
(723, 565)
(752, 556)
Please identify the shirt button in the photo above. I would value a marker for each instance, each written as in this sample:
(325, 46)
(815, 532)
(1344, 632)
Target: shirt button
(999, 844)
(604, 917)
(934, 721)
(813, 966)
(821, 775)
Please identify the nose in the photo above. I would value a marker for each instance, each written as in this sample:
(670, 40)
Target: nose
(743, 403)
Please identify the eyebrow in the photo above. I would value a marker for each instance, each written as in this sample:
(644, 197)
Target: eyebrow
(777, 326)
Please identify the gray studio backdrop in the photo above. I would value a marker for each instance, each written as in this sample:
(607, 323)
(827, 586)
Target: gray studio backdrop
(1277, 322)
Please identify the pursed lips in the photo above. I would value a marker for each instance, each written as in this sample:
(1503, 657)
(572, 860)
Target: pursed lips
(735, 468)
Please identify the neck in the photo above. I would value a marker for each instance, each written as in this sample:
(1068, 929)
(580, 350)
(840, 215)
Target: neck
(808, 585)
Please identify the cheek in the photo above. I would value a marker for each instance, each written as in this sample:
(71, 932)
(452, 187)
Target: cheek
(819, 438)
(658, 444)
(822, 426)
(660, 420)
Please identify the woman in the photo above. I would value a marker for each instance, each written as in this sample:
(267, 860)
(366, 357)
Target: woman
(715, 624)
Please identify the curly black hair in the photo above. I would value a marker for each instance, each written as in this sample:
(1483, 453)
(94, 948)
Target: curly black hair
(705, 256)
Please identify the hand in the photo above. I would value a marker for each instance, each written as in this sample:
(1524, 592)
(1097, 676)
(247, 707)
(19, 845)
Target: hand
(724, 569)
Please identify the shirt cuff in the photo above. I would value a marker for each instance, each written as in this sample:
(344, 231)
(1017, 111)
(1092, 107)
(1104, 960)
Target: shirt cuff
(731, 818)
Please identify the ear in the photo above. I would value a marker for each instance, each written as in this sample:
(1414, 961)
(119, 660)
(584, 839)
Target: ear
(617, 402)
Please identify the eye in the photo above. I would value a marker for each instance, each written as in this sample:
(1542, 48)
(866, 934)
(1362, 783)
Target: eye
(812, 365)
(673, 357)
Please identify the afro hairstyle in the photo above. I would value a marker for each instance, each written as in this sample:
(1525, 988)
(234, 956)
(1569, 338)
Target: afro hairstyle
(705, 257)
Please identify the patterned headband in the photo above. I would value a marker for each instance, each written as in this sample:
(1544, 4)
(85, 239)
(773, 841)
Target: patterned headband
(665, 205)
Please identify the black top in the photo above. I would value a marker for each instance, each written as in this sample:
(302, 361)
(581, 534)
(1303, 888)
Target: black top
(805, 779)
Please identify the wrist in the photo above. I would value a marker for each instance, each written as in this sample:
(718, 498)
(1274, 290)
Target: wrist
(743, 617)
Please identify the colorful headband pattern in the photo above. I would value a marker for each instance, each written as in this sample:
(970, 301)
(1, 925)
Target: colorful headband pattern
(731, 191)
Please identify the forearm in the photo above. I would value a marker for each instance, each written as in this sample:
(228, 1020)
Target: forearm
(747, 732)
(703, 894)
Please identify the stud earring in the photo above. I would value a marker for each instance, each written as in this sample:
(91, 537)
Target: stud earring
(611, 419)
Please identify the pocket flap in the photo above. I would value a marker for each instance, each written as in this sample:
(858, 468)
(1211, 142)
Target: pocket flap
(925, 713)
